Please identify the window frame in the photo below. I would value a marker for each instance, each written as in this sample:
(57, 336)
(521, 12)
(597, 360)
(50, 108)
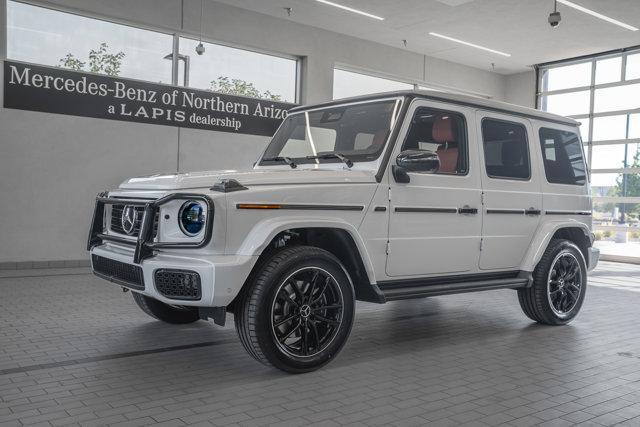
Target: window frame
(465, 132)
(526, 140)
(544, 159)
(175, 48)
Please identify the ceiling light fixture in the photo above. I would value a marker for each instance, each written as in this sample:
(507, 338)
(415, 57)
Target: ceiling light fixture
(597, 15)
(469, 44)
(350, 9)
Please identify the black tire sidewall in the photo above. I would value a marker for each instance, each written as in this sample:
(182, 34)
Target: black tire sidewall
(541, 276)
(306, 258)
(165, 312)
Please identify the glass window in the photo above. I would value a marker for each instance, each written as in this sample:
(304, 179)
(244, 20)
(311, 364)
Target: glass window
(347, 83)
(562, 155)
(633, 67)
(566, 77)
(238, 71)
(506, 153)
(358, 132)
(609, 128)
(634, 126)
(607, 156)
(617, 98)
(441, 132)
(567, 104)
(608, 70)
(49, 37)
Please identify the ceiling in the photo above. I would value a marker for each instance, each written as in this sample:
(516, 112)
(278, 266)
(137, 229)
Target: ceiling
(518, 27)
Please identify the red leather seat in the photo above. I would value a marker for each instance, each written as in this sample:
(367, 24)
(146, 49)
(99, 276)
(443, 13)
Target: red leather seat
(444, 134)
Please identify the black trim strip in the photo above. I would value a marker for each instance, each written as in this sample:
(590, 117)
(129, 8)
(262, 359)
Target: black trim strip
(380, 209)
(506, 211)
(584, 213)
(290, 206)
(425, 210)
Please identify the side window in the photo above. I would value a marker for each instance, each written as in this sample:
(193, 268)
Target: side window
(506, 154)
(563, 159)
(442, 132)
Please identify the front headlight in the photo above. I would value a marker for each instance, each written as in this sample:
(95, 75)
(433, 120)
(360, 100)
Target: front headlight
(192, 218)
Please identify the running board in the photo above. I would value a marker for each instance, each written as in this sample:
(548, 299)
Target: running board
(397, 290)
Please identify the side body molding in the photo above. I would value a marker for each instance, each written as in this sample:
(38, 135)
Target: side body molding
(543, 237)
(264, 231)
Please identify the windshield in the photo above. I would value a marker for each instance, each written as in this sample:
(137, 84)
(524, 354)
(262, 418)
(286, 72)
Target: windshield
(356, 132)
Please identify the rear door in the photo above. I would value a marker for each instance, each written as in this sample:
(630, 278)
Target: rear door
(511, 185)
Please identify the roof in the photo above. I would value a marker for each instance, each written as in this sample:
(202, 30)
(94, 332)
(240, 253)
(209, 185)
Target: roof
(453, 98)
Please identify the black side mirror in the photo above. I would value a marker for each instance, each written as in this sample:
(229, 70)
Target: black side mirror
(424, 161)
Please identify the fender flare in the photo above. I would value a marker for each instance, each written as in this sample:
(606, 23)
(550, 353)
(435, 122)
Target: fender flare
(542, 238)
(264, 231)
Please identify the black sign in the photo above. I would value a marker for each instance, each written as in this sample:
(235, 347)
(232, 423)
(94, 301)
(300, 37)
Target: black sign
(57, 90)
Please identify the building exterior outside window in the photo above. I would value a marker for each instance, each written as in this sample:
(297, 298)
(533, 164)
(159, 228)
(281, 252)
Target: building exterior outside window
(51, 37)
(603, 93)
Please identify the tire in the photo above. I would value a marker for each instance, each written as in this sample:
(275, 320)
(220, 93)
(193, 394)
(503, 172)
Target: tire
(556, 296)
(176, 315)
(299, 293)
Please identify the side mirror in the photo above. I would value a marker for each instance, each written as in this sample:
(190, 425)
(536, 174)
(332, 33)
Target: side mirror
(418, 161)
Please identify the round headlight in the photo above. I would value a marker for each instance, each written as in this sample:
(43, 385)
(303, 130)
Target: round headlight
(191, 218)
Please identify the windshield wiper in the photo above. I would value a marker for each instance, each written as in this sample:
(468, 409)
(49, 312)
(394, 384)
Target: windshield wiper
(346, 161)
(287, 160)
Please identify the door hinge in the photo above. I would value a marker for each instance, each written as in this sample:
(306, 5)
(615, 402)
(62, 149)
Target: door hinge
(481, 244)
(388, 247)
(389, 193)
(482, 197)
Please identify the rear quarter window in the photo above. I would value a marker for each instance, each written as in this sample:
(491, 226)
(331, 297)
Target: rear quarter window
(563, 157)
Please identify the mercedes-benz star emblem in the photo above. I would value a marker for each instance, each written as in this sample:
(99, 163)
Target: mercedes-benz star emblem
(128, 220)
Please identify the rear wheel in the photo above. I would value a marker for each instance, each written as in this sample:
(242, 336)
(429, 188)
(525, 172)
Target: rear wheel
(559, 286)
(297, 311)
(167, 313)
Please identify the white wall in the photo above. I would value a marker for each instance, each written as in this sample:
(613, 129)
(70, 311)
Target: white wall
(51, 166)
(520, 89)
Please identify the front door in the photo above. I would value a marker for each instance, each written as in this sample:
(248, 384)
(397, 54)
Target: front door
(511, 186)
(435, 218)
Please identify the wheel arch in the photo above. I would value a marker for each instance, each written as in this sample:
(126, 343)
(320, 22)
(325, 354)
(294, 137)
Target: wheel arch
(576, 232)
(340, 239)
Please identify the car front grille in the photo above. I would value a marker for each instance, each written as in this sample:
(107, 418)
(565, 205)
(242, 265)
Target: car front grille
(116, 220)
(118, 272)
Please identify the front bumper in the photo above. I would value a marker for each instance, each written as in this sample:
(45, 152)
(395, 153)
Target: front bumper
(221, 276)
(594, 256)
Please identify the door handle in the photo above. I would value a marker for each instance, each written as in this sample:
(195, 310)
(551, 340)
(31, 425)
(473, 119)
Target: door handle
(532, 211)
(467, 210)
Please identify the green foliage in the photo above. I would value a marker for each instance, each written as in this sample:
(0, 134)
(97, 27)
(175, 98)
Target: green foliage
(598, 235)
(635, 235)
(632, 186)
(607, 234)
(101, 61)
(241, 87)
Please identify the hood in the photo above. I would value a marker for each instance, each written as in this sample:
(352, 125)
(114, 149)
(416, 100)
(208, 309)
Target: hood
(182, 181)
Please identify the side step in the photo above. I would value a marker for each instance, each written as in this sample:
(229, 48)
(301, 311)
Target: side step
(445, 286)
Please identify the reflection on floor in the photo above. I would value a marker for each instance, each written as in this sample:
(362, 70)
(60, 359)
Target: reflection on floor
(75, 349)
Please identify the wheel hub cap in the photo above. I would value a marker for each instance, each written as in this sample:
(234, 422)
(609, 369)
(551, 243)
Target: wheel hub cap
(564, 284)
(307, 312)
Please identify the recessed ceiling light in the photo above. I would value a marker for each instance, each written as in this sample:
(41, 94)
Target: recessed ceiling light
(597, 15)
(469, 44)
(350, 9)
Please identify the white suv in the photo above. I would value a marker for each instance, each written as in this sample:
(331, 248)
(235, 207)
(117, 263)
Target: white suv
(377, 198)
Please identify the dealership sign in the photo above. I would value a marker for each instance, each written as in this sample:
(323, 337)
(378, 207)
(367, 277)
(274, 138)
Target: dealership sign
(57, 90)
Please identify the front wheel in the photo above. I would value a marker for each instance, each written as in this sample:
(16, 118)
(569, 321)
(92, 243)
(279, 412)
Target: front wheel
(167, 313)
(559, 285)
(297, 311)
